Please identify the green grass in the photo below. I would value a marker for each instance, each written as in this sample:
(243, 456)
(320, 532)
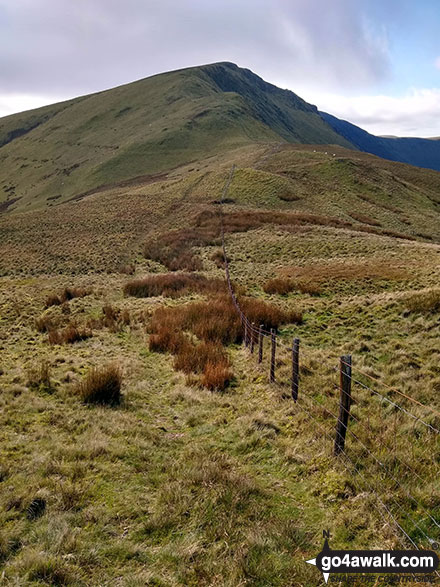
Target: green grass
(54, 153)
(178, 485)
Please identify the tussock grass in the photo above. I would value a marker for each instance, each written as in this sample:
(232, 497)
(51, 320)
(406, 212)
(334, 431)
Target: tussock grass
(127, 269)
(115, 319)
(102, 385)
(281, 286)
(44, 323)
(49, 570)
(39, 377)
(425, 302)
(216, 375)
(278, 286)
(172, 285)
(69, 293)
(174, 249)
(68, 335)
(349, 270)
(216, 323)
(218, 258)
(364, 219)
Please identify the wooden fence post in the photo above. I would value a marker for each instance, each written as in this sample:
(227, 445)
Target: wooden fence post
(252, 337)
(344, 403)
(272, 359)
(245, 332)
(260, 343)
(295, 368)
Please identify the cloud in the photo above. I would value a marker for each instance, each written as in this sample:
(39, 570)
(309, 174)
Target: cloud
(69, 48)
(57, 49)
(437, 62)
(415, 114)
(10, 103)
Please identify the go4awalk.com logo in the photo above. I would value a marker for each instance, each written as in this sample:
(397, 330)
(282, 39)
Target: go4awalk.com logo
(374, 561)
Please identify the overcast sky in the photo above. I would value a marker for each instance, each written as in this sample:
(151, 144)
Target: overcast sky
(375, 63)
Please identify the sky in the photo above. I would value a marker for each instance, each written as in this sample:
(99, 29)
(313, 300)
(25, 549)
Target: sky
(375, 63)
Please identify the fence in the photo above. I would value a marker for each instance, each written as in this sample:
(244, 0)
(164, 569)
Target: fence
(389, 449)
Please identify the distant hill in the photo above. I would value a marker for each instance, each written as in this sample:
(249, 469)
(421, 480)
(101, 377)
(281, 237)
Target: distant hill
(56, 152)
(59, 152)
(420, 152)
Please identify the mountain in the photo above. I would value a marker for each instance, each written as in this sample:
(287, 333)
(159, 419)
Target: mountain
(129, 133)
(56, 152)
(420, 152)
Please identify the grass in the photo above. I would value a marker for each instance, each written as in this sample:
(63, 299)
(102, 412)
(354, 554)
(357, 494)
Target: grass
(102, 385)
(282, 286)
(181, 484)
(172, 285)
(39, 377)
(68, 335)
(424, 302)
(188, 117)
(216, 324)
(69, 293)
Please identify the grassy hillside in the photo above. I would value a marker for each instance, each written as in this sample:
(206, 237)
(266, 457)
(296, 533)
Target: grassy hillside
(54, 153)
(101, 231)
(183, 485)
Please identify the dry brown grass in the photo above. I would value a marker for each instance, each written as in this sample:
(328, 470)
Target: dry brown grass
(44, 323)
(278, 285)
(39, 377)
(69, 293)
(102, 385)
(174, 249)
(425, 302)
(281, 286)
(268, 315)
(319, 273)
(172, 285)
(364, 219)
(218, 258)
(127, 269)
(288, 197)
(68, 335)
(244, 220)
(216, 376)
(215, 323)
(194, 358)
(53, 300)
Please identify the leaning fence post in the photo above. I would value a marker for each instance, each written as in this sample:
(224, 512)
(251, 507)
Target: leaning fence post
(252, 337)
(260, 343)
(272, 359)
(295, 368)
(344, 403)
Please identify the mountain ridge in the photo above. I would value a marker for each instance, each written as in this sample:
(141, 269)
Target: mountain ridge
(55, 153)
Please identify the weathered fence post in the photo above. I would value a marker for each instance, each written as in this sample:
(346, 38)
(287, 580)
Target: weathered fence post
(295, 368)
(260, 343)
(272, 358)
(245, 333)
(252, 337)
(344, 403)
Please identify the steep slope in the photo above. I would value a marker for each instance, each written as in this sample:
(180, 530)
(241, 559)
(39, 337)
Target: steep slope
(420, 152)
(56, 152)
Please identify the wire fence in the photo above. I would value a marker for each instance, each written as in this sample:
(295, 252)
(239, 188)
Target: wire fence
(387, 441)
